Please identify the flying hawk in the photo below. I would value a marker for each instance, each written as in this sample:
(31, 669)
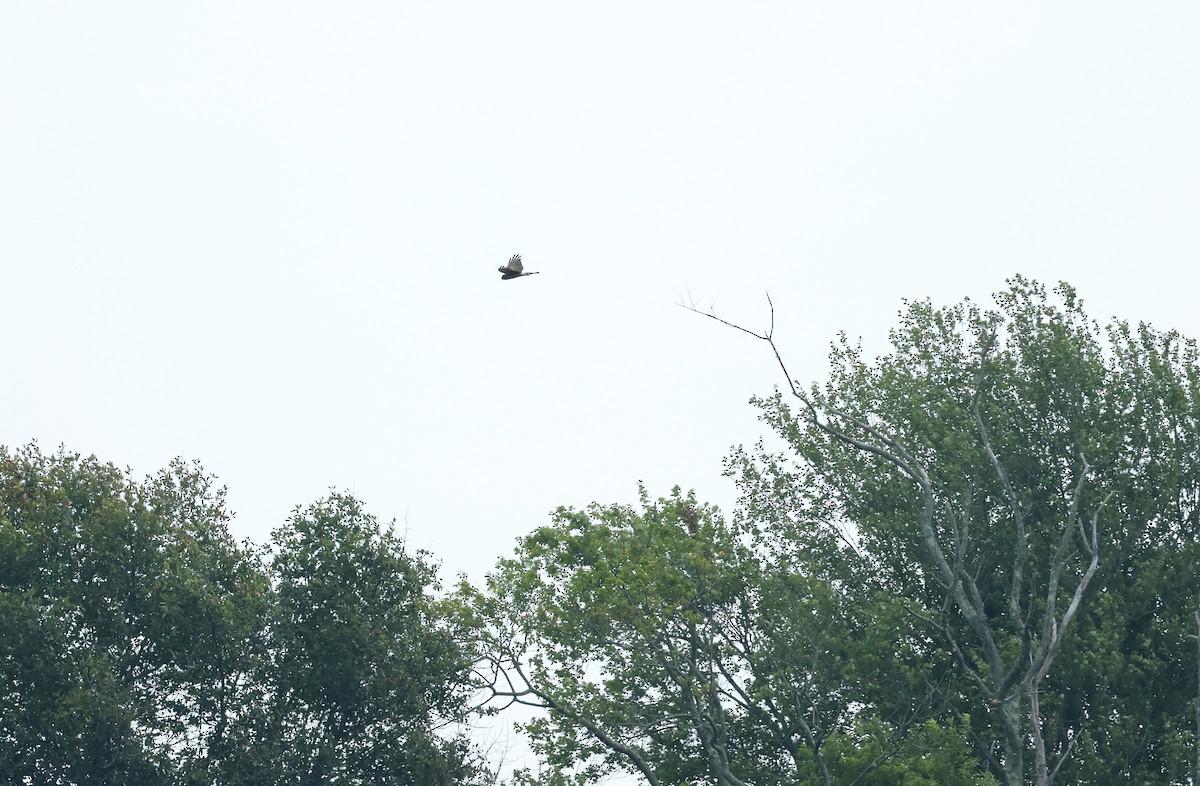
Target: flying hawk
(514, 269)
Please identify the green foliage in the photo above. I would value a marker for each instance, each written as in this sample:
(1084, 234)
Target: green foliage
(618, 603)
(362, 664)
(61, 721)
(140, 644)
(130, 612)
(667, 642)
(909, 595)
(1085, 422)
(930, 755)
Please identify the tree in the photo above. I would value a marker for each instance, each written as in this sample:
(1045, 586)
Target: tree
(129, 620)
(364, 665)
(1001, 470)
(139, 644)
(662, 642)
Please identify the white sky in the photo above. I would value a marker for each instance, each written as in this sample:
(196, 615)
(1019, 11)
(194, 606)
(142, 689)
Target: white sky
(265, 235)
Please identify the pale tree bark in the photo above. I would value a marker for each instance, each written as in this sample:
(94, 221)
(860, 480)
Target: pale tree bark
(1007, 683)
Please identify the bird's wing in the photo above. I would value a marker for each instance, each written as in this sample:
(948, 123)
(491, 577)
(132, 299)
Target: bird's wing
(514, 264)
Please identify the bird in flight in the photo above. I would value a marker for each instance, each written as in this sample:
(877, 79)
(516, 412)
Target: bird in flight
(514, 269)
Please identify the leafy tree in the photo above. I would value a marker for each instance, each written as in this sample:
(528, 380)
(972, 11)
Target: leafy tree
(140, 644)
(129, 618)
(662, 642)
(363, 666)
(1026, 481)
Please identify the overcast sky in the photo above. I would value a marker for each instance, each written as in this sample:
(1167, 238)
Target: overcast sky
(265, 235)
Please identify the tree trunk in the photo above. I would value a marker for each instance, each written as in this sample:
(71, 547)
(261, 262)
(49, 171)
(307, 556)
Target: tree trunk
(1014, 741)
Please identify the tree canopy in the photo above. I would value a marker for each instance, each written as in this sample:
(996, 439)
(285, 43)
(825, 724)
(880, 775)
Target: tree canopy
(986, 536)
(663, 642)
(1025, 479)
(141, 644)
(973, 559)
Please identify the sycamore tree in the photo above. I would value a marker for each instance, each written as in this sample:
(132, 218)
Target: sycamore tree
(1026, 481)
(665, 642)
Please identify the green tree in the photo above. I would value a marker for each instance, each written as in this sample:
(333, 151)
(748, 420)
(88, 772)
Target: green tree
(129, 620)
(667, 643)
(1026, 481)
(364, 664)
(139, 644)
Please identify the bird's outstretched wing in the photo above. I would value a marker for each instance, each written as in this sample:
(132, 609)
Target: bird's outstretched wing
(513, 269)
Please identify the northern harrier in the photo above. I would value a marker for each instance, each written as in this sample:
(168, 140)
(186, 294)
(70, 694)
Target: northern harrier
(514, 269)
